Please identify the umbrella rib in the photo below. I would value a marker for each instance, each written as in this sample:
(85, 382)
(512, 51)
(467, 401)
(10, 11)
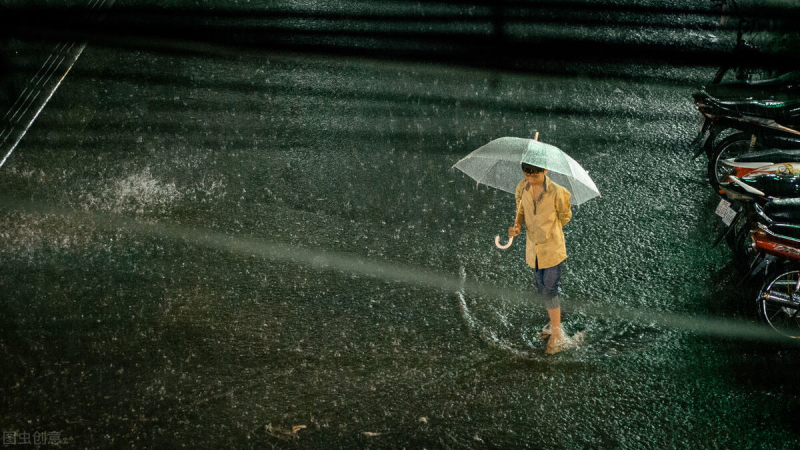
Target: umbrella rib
(485, 172)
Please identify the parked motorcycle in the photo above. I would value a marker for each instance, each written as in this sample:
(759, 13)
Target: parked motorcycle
(764, 114)
(747, 107)
(764, 234)
(751, 136)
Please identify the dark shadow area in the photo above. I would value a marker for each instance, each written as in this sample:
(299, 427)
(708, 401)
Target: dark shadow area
(510, 36)
(765, 368)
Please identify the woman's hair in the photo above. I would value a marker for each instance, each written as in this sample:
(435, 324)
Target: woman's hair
(529, 168)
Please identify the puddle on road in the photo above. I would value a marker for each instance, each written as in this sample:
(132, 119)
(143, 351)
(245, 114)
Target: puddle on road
(512, 325)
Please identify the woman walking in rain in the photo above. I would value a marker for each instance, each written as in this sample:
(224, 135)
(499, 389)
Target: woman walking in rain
(544, 208)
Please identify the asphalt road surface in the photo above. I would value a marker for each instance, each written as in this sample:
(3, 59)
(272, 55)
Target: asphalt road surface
(262, 248)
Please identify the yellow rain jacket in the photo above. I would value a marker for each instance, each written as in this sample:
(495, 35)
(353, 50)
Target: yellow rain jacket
(543, 221)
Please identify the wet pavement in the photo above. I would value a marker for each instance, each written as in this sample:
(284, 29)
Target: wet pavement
(209, 250)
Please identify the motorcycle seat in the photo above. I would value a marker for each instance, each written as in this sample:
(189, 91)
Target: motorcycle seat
(781, 109)
(777, 98)
(772, 181)
(771, 156)
(784, 210)
(787, 230)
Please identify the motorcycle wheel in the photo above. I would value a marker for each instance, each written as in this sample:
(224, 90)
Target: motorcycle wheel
(779, 301)
(730, 147)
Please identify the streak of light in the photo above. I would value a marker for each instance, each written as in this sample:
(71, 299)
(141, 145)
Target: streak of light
(425, 277)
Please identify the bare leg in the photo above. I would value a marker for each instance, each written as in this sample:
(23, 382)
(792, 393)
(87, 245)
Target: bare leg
(556, 334)
(555, 318)
(555, 322)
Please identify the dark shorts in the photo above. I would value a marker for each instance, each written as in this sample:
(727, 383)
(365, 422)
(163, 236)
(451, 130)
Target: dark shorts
(547, 285)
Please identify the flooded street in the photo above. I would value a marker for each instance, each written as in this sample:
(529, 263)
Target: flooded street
(209, 250)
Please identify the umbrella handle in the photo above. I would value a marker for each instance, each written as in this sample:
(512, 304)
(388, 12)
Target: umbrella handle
(501, 246)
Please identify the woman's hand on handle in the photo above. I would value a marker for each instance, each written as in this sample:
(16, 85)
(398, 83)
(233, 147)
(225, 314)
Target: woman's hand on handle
(513, 231)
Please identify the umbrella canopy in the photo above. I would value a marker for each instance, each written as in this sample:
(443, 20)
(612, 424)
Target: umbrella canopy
(497, 164)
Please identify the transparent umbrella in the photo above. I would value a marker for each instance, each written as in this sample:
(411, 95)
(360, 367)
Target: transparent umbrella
(497, 164)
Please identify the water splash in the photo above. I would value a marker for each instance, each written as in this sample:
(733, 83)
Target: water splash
(487, 335)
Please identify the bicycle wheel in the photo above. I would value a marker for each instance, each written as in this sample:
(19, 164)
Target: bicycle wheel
(730, 147)
(779, 302)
